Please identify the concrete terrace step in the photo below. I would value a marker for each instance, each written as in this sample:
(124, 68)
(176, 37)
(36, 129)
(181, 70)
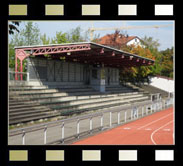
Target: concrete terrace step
(33, 115)
(37, 91)
(43, 87)
(26, 112)
(63, 107)
(61, 112)
(27, 87)
(29, 103)
(112, 102)
(52, 92)
(22, 104)
(92, 100)
(70, 112)
(90, 104)
(28, 119)
(80, 97)
(28, 108)
(67, 98)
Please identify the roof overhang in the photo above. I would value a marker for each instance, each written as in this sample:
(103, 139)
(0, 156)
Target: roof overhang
(85, 52)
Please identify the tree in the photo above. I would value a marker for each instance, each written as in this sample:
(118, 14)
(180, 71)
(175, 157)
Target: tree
(75, 35)
(138, 74)
(150, 43)
(60, 38)
(167, 62)
(45, 40)
(13, 27)
(29, 35)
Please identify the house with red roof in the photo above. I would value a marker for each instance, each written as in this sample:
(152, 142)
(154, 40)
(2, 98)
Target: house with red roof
(119, 40)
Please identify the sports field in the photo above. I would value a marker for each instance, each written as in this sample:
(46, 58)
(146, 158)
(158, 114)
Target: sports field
(156, 129)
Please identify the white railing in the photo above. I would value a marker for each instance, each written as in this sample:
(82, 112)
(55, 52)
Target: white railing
(129, 112)
(18, 76)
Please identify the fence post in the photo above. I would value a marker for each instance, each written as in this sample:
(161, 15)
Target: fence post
(91, 125)
(78, 128)
(125, 115)
(156, 106)
(110, 119)
(45, 133)
(137, 113)
(131, 114)
(27, 76)
(62, 127)
(23, 137)
(164, 104)
(146, 109)
(119, 117)
(101, 121)
(160, 105)
(142, 111)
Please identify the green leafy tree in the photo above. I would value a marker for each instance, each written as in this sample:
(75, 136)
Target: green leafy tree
(75, 35)
(150, 43)
(45, 40)
(60, 38)
(167, 62)
(29, 35)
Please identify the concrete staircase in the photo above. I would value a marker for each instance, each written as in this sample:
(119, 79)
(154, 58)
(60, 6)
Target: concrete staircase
(148, 89)
(31, 103)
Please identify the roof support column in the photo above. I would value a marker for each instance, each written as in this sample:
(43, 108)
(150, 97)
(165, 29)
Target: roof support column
(102, 79)
(21, 55)
(16, 67)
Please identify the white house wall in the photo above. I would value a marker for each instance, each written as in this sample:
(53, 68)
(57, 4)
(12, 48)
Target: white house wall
(135, 41)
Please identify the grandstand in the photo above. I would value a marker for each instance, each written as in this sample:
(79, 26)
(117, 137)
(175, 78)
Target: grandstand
(69, 79)
(30, 103)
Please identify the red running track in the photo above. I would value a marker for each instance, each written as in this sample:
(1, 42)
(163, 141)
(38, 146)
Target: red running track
(156, 129)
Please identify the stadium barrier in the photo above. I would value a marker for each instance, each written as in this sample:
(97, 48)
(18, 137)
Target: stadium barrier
(131, 112)
(18, 76)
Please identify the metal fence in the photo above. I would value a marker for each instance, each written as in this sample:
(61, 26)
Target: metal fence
(18, 76)
(63, 130)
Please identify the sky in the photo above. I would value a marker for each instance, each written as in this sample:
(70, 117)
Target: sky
(164, 35)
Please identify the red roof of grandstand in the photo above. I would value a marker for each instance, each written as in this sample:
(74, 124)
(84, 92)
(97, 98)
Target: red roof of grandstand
(85, 52)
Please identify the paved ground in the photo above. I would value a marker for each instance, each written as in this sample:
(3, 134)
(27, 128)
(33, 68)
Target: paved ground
(156, 129)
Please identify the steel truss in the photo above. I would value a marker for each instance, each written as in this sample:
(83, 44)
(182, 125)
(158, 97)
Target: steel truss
(22, 53)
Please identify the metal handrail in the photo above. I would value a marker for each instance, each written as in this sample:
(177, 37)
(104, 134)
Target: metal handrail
(19, 73)
(153, 105)
(55, 123)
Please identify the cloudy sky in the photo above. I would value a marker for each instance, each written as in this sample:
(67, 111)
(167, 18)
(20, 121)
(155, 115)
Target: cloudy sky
(165, 35)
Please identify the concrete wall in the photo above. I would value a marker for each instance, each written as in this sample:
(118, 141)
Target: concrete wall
(53, 72)
(112, 76)
(163, 83)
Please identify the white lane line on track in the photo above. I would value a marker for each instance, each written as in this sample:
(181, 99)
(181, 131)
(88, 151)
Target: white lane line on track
(166, 129)
(148, 129)
(154, 121)
(127, 128)
(157, 130)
